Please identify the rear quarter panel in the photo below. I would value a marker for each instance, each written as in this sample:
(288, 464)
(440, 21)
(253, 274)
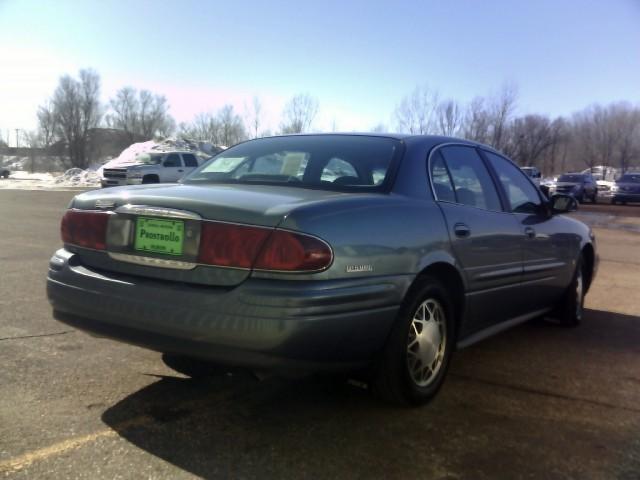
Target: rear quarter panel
(374, 235)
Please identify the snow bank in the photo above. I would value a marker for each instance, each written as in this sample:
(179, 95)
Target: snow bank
(74, 177)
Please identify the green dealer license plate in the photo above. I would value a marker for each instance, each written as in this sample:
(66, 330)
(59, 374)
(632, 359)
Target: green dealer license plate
(159, 236)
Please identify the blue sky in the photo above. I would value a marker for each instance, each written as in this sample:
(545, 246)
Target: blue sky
(358, 58)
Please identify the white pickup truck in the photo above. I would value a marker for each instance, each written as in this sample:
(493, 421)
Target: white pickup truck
(151, 167)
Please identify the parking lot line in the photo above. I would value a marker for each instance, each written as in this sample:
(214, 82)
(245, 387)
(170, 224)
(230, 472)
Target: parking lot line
(22, 461)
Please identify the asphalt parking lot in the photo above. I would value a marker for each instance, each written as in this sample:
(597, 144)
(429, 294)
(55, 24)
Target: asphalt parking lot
(538, 401)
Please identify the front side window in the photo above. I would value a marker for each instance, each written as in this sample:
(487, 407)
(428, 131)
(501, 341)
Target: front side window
(351, 162)
(172, 160)
(471, 181)
(522, 195)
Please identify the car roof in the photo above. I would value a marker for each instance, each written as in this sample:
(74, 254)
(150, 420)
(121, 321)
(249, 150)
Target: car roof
(425, 140)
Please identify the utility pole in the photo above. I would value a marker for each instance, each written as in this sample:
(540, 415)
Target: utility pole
(17, 138)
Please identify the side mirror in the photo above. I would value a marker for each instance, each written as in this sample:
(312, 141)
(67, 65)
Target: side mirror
(561, 203)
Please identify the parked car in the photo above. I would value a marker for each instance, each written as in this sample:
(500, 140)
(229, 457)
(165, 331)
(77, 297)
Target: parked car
(325, 252)
(581, 186)
(533, 173)
(4, 173)
(152, 167)
(626, 189)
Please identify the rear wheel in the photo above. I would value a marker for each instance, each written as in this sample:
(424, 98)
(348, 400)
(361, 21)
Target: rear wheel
(594, 199)
(415, 359)
(571, 308)
(191, 367)
(150, 179)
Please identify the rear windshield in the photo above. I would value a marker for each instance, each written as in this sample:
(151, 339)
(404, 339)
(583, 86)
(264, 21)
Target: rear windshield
(334, 162)
(571, 178)
(630, 178)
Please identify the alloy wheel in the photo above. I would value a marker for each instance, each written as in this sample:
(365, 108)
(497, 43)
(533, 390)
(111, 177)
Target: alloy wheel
(426, 342)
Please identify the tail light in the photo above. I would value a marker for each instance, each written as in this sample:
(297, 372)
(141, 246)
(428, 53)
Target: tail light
(85, 228)
(240, 246)
(294, 252)
(228, 245)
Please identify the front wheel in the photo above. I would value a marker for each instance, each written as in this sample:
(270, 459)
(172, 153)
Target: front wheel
(571, 309)
(415, 359)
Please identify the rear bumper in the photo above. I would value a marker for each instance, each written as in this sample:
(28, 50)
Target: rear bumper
(320, 325)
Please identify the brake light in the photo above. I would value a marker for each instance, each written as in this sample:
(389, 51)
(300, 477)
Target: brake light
(294, 252)
(241, 246)
(229, 245)
(85, 228)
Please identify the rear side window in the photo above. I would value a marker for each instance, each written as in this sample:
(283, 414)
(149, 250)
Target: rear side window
(441, 180)
(189, 160)
(522, 195)
(472, 184)
(172, 160)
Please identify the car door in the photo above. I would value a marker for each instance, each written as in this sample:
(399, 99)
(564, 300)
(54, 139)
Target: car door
(547, 257)
(190, 162)
(486, 240)
(172, 168)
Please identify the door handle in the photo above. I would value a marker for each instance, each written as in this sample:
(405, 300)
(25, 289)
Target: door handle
(530, 232)
(461, 230)
(180, 170)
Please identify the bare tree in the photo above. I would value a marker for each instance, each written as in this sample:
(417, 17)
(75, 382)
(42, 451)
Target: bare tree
(449, 118)
(223, 128)
(140, 114)
(595, 136)
(47, 123)
(299, 113)
(232, 129)
(205, 127)
(528, 137)
(476, 121)
(77, 110)
(626, 121)
(154, 115)
(125, 111)
(253, 116)
(416, 112)
(502, 107)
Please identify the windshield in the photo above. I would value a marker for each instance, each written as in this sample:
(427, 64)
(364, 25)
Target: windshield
(571, 178)
(334, 162)
(149, 159)
(630, 178)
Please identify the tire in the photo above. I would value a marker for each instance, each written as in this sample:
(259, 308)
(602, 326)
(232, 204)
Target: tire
(580, 198)
(594, 199)
(571, 308)
(191, 367)
(150, 179)
(400, 376)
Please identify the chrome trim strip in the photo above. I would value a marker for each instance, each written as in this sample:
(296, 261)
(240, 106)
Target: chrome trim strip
(152, 261)
(157, 212)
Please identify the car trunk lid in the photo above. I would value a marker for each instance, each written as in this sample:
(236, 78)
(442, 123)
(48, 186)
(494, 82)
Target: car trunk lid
(146, 221)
